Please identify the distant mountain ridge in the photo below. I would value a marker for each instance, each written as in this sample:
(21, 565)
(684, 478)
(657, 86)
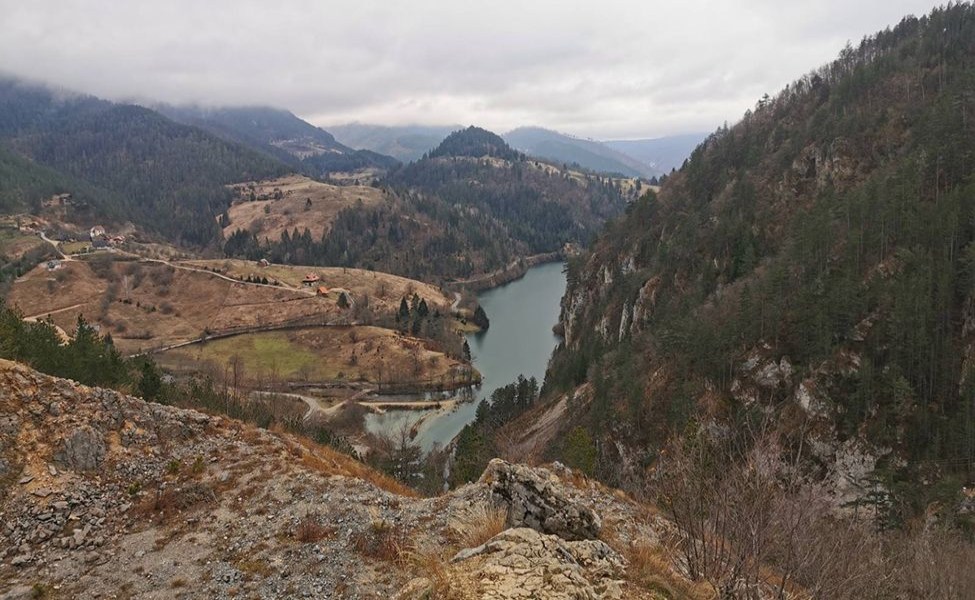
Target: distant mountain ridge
(405, 142)
(662, 154)
(630, 158)
(279, 133)
(588, 154)
(133, 163)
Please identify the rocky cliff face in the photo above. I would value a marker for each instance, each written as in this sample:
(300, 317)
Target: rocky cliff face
(104, 495)
(805, 264)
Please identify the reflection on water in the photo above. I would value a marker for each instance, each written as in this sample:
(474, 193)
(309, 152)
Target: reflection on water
(519, 342)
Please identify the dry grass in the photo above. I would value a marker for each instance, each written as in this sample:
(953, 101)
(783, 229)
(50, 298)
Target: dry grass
(255, 567)
(309, 530)
(164, 504)
(323, 459)
(478, 524)
(361, 353)
(431, 559)
(382, 541)
(293, 209)
(650, 569)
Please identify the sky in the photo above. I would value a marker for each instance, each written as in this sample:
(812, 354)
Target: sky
(602, 69)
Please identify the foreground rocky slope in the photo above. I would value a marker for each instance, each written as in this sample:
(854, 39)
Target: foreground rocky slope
(104, 495)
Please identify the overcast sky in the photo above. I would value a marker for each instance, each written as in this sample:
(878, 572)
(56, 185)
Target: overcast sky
(602, 69)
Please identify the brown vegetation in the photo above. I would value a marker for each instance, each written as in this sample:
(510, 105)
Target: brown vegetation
(750, 525)
(478, 524)
(269, 208)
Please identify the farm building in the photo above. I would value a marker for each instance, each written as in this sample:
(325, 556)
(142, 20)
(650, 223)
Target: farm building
(322, 291)
(310, 279)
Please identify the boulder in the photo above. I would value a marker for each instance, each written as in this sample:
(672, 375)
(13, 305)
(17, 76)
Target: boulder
(537, 499)
(83, 450)
(523, 563)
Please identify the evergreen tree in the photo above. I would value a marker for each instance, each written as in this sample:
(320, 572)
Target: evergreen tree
(150, 383)
(480, 318)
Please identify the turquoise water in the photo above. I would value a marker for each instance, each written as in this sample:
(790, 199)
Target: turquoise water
(519, 342)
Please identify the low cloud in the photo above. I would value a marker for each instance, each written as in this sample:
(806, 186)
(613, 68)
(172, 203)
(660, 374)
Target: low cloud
(609, 69)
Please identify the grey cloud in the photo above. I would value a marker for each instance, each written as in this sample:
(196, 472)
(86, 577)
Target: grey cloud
(599, 69)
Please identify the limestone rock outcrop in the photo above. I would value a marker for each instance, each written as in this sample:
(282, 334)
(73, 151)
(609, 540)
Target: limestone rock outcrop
(523, 563)
(537, 499)
(101, 492)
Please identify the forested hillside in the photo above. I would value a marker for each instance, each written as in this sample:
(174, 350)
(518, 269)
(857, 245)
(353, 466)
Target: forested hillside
(815, 262)
(282, 135)
(473, 206)
(25, 183)
(165, 177)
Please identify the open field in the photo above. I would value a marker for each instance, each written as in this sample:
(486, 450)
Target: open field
(151, 305)
(293, 202)
(14, 244)
(74, 247)
(367, 354)
(383, 290)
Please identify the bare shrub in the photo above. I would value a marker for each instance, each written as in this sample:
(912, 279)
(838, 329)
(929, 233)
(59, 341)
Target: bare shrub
(102, 266)
(651, 568)
(136, 273)
(162, 277)
(309, 530)
(381, 540)
(750, 526)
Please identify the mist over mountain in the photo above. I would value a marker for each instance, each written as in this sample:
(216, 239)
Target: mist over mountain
(588, 154)
(405, 143)
(662, 154)
(134, 163)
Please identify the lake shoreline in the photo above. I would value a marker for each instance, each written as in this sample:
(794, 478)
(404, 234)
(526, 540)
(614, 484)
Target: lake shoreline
(518, 342)
(500, 277)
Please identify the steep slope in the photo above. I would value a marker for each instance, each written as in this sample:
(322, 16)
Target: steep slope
(812, 262)
(25, 184)
(405, 143)
(662, 154)
(166, 177)
(104, 494)
(588, 154)
(280, 134)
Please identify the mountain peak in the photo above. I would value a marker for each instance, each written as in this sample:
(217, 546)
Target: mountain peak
(475, 142)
